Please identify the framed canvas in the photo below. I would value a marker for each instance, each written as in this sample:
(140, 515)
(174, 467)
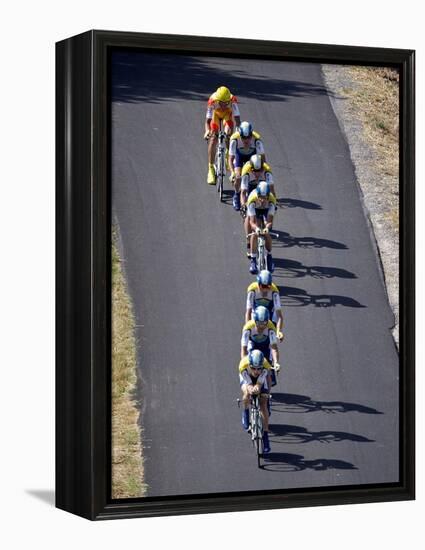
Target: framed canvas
(164, 325)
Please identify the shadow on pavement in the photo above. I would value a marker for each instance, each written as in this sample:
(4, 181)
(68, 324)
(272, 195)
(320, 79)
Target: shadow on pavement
(284, 434)
(286, 462)
(296, 203)
(291, 296)
(292, 403)
(294, 269)
(285, 240)
(160, 77)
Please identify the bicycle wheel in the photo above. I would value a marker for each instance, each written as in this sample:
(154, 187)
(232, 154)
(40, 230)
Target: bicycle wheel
(259, 440)
(221, 173)
(262, 263)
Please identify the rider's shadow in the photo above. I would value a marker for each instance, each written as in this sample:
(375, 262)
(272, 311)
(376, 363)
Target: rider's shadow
(287, 462)
(291, 296)
(282, 434)
(296, 203)
(285, 240)
(293, 403)
(294, 269)
(227, 197)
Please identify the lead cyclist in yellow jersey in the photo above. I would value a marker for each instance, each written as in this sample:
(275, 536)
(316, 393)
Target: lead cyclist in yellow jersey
(222, 109)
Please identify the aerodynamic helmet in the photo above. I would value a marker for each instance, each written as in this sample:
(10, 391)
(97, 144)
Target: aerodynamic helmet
(256, 358)
(245, 129)
(263, 189)
(261, 314)
(256, 162)
(223, 94)
(264, 278)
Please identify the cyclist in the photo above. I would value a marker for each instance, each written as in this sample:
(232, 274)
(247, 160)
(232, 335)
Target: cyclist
(243, 144)
(253, 171)
(265, 293)
(261, 208)
(254, 372)
(260, 333)
(223, 109)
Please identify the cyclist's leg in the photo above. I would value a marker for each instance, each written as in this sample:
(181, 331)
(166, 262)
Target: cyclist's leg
(264, 400)
(213, 140)
(254, 242)
(269, 244)
(264, 410)
(248, 239)
(245, 405)
(212, 147)
(237, 182)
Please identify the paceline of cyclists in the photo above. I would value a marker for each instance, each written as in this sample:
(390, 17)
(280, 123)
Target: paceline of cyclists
(254, 196)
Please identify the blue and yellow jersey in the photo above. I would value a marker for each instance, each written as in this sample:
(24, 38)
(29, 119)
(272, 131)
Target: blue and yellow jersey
(248, 169)
(244, 364)
(269, 299)
(251, 333)
(253, 203)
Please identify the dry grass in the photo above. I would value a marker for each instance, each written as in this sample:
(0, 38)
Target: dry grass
(127, 464)
(376, 99)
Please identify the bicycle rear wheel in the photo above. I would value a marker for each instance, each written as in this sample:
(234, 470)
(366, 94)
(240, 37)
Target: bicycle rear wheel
(220, 174)
(220, 186)
(259, 441)
(262, 262)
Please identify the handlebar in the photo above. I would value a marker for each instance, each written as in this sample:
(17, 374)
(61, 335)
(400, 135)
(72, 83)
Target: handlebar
(268, 233)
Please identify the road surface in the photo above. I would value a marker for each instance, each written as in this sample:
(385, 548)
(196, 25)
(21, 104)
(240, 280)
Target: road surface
(335, 412)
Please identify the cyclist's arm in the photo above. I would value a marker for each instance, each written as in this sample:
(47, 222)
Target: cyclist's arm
(259, 149)
(249, 306)
(273, 346)
(275, 353)
(236, 113)
(245, 378)
(269, 223)
(253, 221)
(278, 311)
(279, 324)
(244, 187)
(244, 343)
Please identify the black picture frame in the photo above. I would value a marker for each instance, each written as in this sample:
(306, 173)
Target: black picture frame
(83, 424)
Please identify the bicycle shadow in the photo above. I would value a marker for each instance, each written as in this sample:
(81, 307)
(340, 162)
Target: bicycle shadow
(286, 434)
(291, 296)
(285, 240)
(296, 203)
(293, 269)
(293, 403)
(227, 197)
(287, 462)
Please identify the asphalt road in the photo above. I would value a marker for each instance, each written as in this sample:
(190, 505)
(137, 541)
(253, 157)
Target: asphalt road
(335, 412)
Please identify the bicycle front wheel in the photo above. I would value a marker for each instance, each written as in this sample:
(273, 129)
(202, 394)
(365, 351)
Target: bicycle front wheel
(262, 262)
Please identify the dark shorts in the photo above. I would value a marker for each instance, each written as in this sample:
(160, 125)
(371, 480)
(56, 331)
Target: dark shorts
(241, 159)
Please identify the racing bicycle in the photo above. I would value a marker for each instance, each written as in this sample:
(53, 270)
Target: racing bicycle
(261, 248)
(220, 163)
(256, 425)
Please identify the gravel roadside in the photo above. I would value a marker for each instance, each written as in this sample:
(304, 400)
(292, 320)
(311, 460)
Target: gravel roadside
(376, 186)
